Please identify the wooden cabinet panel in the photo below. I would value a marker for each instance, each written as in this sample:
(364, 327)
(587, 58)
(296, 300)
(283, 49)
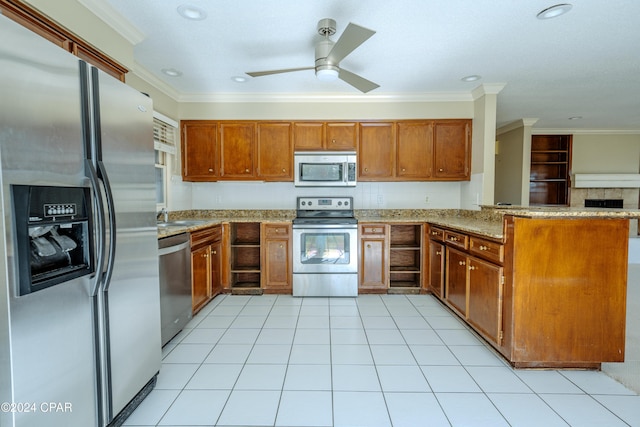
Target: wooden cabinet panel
(491, 251)
(200, 273)
(485, 298)
(373, 269)
(436, 233)
(215, 253)
(376, 150)
(456, 239)
(451, 149)
(308, 135)
(341, 136)
(414, 150)
(436, 268)
(277, 258)
(456, 280)
(199, 151)
(275, 151)
(237, 148)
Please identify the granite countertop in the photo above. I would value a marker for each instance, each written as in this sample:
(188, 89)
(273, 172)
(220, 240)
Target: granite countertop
(488, 221)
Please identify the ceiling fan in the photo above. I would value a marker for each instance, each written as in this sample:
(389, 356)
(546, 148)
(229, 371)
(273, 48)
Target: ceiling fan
(330, 53)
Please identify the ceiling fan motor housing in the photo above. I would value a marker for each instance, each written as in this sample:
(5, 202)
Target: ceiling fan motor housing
(326, 27)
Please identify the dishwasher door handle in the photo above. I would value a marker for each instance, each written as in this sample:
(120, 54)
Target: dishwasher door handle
(173, 249)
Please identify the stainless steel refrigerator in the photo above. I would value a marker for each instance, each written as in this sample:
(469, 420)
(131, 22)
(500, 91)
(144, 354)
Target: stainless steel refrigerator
(79, 289)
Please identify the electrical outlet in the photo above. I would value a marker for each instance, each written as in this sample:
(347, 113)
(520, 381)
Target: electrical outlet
(380, 199)
(426, 199)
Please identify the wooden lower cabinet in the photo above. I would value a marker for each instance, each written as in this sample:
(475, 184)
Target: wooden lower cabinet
(374, 254)
(551, 294)
(206, 281)
(436, 256)
(276, 258)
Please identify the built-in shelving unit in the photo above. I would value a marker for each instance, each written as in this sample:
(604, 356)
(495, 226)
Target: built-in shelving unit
(245, 256)
(405, 256)
(550, 170)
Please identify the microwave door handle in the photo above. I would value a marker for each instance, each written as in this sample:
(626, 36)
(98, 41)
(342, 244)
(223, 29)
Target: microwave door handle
(101, 234)
(345, 174)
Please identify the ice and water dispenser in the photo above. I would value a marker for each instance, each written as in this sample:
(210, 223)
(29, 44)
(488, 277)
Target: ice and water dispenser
(54, 235)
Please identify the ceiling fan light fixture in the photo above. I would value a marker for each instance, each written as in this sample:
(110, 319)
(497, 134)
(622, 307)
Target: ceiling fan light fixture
(554, 11)
(327, 73)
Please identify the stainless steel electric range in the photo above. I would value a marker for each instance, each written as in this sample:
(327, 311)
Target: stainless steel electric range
(325, 254)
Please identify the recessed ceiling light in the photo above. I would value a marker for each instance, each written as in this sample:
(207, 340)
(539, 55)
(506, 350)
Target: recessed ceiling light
(554, 11)
(192, 12)
(471, 78)
(239, 79)
(171, 72)
(575, 118)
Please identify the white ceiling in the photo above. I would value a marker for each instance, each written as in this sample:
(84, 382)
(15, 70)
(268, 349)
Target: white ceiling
(585, 63)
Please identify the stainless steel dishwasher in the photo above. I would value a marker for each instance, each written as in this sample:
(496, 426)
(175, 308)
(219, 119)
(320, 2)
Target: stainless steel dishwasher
(175, 284)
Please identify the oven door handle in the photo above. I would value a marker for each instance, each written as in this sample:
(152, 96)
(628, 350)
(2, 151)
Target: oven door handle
(325, 226)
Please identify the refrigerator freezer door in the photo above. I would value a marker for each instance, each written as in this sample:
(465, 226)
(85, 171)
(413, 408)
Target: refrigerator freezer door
(133, 298)
(46, 338)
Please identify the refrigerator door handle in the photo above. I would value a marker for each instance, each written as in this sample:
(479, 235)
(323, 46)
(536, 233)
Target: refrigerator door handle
(112, 225)
(101, 235)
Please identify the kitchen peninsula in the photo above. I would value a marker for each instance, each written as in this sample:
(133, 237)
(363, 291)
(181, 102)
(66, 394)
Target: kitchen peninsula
(545, 287)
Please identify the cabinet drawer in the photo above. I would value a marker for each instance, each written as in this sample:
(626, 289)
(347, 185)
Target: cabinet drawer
(458, 240)
(487, 249)
(279, 230)
(436, 234)
(372, 229)
(206, 236)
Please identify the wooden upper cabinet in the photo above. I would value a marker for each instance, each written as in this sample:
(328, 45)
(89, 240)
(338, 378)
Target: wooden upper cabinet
(376, 150)
(275, 151)
(40, 24)
(308, 135)
(341, 136)
(199, 151)
(452, 150)
(415, 150)
(329, 136)
(237, 148)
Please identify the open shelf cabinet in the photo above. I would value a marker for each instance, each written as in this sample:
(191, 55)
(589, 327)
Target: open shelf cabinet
(405, 256)
(245, 255)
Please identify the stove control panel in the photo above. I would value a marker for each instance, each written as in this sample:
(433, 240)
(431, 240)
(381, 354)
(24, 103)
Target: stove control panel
(325, 203)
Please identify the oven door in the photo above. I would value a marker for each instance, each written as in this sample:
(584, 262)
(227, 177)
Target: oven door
(325, 248)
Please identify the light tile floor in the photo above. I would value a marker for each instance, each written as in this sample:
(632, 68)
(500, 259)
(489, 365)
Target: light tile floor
(375, 360)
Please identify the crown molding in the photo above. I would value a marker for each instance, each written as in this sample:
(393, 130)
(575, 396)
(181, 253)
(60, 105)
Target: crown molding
(487, 89)
(528, 122)
(324, 97)
(115, 20)
(554, 131)
(154, 81)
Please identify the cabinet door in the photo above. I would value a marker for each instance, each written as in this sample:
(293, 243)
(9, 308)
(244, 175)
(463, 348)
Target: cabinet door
(275, 152)
(200, 278)
(451, 149)
(376, 152)
(436, 268)
(215, 264)
(308, 135)
(277, 268)
(237, 147)
(485, 298)
(414, 150)
(373, 265)
(341, 136)
(199, 151)
(456, 280)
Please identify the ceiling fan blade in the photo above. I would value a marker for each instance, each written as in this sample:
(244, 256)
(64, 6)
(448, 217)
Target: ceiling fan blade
(352, 37)
(287, 70)
(360, 83)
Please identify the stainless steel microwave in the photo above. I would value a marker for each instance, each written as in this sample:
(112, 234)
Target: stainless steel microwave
(325, 169)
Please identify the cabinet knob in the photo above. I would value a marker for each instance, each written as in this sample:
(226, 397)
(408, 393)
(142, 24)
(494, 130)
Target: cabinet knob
(210, 170)
(453, 239)
(438, 253)
(284, 170)
(440, 170)
(333, 141)
(483, 248)
(462, 262)
(404, 170)
(281, 246)
(366, 169)
(471, 267)
(369, 246)
(215, 252)
(246, 170)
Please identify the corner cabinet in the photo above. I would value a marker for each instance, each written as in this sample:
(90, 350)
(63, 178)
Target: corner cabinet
(452, 150)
